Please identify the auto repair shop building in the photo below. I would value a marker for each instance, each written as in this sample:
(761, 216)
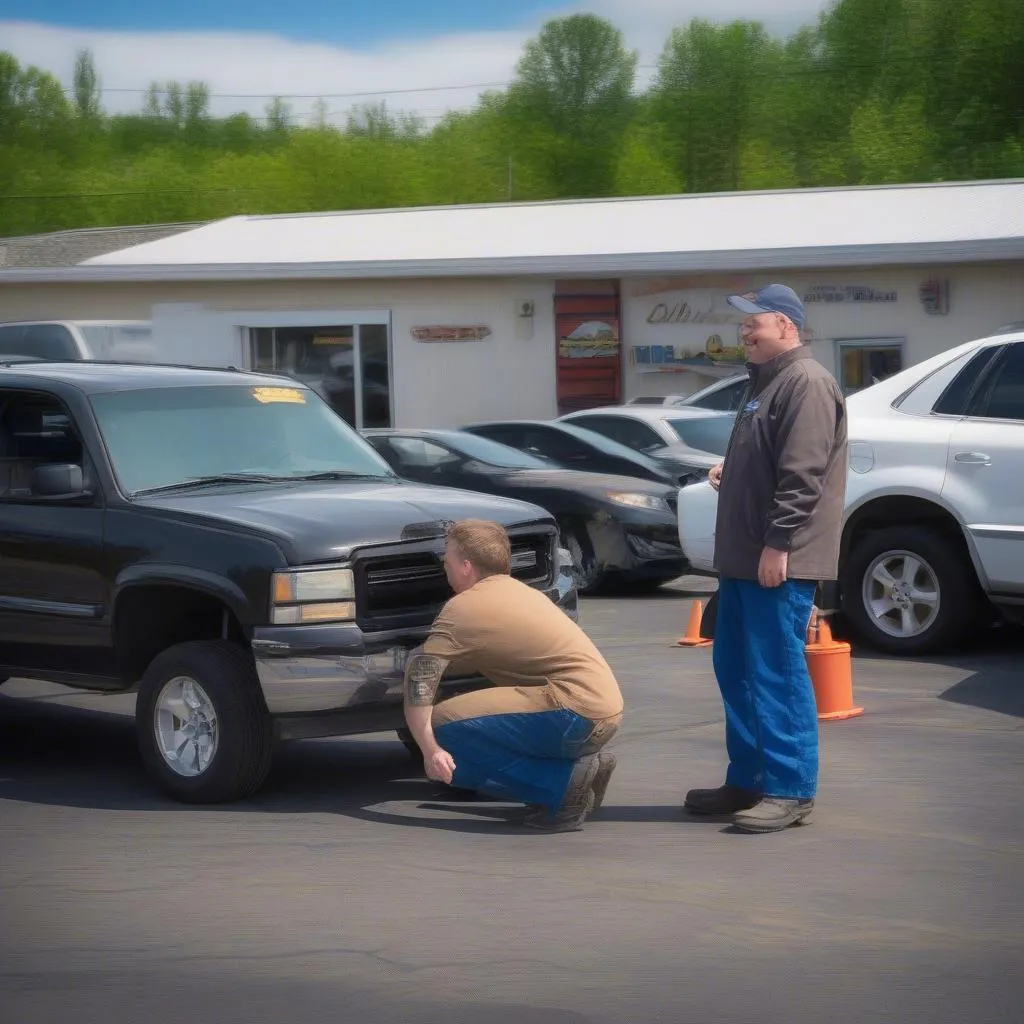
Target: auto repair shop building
(437, 317)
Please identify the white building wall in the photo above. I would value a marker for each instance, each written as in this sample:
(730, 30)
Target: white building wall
(981, 299)
(510, 374)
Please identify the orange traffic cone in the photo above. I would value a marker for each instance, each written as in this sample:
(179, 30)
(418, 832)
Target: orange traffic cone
(831, 670)
(692, 637)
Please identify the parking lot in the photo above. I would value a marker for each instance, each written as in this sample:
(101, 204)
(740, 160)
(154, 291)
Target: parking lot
(352, 889)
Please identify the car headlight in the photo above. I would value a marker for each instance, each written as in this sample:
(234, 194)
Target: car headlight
(636, 500)
(312, 595)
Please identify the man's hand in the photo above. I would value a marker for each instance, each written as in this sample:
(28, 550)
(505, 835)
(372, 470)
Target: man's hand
(772, 569)
(715, 475)
(440, 765)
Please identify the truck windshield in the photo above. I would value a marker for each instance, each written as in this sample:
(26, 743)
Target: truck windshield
(159, 437)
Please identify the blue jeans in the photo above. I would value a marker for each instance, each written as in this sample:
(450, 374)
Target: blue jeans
(771, 718)
(526, 756)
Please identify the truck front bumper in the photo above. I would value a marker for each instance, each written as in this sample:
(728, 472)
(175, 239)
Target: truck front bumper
(353, 681)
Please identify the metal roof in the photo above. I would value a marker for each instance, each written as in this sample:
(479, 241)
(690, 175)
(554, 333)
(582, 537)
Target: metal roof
(931, 223)
(68, 248)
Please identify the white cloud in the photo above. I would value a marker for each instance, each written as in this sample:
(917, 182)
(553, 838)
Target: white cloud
(241, 69)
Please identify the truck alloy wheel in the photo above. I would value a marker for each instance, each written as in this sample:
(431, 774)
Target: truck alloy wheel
(203, 729)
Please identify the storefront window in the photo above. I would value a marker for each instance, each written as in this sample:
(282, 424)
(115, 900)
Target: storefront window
(866, 362)
(348, 366)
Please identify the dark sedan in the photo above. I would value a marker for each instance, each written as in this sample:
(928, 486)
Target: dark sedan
(617, 529)
(574, 447)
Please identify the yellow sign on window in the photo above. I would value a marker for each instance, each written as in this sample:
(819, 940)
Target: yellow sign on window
(290, 395)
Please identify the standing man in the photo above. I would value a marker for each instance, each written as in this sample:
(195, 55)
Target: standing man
(535, 736)
(782, 486)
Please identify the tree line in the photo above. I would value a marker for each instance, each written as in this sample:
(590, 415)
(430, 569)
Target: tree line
(875, 91)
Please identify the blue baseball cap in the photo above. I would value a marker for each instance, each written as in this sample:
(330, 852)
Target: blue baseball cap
(772, 298)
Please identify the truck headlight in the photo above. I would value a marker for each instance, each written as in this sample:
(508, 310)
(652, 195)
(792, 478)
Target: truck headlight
(637, 500)
(312, 595)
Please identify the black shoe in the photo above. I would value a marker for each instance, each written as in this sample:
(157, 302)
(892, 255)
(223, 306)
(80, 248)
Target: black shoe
(724, 800)
(773, 814)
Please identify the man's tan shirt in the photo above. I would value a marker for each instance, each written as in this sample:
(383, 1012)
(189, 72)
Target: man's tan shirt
(515, 636)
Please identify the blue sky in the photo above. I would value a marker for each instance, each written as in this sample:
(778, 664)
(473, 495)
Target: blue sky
(425, 57)
(341, 21)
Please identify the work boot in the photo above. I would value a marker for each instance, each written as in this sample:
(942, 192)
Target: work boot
(773, 814)
(577, 803)
(724, 800)
(606, 765)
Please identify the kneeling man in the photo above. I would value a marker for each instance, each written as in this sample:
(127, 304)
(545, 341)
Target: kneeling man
(536, 736)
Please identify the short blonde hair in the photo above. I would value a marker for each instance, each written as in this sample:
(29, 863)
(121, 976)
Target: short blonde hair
(485, 545)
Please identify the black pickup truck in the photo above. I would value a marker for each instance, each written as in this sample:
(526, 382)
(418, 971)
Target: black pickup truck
(227, 546)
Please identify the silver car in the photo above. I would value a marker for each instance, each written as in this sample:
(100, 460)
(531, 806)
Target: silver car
(685, 436)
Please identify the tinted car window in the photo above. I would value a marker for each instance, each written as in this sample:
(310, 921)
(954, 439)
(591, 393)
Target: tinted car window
(495, 454)
(34, 430)
(632, 433)
(415, 451)
(42, 341)
(1001, 395)
(552, 443)
(710, 434)
(726, 399)
(956, 399)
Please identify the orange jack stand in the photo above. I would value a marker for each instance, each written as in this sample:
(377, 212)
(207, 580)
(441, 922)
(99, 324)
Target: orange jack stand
(831, 670)
(692, 637)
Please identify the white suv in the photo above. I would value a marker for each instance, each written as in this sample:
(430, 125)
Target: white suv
(933, 533)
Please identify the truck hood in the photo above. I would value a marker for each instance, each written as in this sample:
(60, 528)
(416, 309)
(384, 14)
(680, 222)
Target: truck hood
(322, 522)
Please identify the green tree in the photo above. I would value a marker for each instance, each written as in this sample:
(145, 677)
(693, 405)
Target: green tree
(86, 87)
(573, 94)
(707, 81)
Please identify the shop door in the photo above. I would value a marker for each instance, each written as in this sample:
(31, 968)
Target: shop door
(349, 366)
(589, 361)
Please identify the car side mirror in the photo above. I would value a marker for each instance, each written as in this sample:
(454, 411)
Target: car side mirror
(57, 480)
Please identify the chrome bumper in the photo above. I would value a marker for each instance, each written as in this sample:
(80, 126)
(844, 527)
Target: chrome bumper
(316, 669)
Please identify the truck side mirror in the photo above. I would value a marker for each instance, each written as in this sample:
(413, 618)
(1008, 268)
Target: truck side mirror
(58, 480)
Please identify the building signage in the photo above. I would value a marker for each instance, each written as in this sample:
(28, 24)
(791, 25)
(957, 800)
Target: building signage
(684, 313)
(848, 293)
(438, 332)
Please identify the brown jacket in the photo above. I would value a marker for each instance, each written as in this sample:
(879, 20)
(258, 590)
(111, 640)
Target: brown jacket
(784, 476)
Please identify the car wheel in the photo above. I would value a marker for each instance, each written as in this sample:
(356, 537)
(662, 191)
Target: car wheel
(588, 576)
(906, 590)
(203, 729)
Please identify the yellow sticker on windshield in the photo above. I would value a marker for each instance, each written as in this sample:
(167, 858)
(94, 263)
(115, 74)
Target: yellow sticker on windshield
(265, 395)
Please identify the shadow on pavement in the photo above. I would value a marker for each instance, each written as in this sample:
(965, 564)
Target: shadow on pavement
(71, 757)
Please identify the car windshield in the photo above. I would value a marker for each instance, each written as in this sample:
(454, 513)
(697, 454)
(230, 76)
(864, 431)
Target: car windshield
(708, 434)
(159, 437)
(496, 454)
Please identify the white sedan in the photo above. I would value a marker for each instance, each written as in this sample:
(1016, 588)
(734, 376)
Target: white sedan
(933, 531)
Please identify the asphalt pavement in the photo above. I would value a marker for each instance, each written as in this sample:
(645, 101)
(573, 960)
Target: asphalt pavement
(352, 889)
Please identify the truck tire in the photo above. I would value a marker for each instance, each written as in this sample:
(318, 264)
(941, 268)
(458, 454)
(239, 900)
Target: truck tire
(907, 590)
(203, 729)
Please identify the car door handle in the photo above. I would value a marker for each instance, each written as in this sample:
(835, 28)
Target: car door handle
(973, 458)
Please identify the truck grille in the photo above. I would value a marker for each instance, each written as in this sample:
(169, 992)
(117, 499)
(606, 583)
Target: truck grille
(406, 585)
